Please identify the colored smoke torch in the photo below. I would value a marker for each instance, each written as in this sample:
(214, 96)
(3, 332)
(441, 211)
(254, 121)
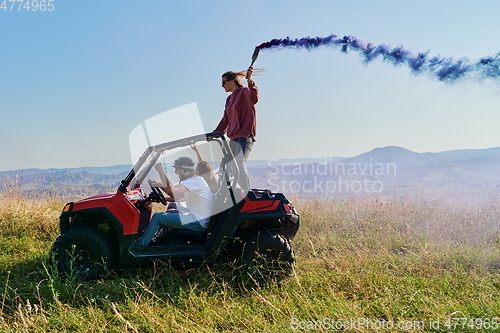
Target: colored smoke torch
(444, 68)
(255, 55)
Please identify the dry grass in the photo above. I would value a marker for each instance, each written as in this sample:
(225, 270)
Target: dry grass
(386, 259)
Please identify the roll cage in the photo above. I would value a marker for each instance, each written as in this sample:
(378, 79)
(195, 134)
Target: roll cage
(227, 173)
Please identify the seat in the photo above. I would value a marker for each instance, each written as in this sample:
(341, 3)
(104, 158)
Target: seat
(265, 196)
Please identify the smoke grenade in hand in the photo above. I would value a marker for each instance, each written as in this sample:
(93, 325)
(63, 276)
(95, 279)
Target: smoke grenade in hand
(255, 55)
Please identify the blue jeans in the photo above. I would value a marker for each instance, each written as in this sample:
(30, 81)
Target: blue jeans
(172, 220)
(241, 149)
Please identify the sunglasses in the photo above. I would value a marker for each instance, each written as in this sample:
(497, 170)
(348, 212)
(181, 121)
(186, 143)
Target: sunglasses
(224, 82)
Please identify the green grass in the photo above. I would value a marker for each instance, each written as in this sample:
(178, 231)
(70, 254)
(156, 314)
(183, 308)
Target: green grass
(391, 261)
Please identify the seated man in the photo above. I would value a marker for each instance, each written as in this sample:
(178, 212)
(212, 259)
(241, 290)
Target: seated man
(193, 190)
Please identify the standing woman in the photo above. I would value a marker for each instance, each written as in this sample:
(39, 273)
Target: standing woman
(239, 120)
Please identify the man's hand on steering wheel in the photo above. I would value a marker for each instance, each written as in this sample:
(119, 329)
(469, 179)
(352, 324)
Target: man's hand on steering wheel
(158, 194)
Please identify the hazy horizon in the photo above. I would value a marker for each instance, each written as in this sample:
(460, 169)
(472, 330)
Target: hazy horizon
(253, 161)
(78, 79)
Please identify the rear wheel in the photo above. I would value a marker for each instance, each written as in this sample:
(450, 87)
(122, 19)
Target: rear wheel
(82, 252)
(267, 255)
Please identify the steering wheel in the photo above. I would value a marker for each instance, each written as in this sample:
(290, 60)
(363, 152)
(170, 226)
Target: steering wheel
(157, 193)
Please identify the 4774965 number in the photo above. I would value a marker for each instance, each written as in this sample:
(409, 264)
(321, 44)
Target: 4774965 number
(27, 5)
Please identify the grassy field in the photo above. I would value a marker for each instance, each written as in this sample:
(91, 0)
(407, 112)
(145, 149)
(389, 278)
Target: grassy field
(362, 265)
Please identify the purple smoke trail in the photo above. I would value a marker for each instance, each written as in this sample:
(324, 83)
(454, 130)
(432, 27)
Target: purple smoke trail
(445, 69)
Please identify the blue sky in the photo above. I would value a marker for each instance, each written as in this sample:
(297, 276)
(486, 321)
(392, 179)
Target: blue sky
(77, 80)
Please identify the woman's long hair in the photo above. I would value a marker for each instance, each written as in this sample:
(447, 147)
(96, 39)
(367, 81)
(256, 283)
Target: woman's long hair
(236, 76)
(205, 170)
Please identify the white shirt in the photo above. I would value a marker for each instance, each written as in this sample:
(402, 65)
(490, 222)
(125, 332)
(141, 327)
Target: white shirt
(199, 200)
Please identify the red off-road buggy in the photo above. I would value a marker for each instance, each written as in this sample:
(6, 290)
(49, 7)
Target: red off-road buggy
(252, 229)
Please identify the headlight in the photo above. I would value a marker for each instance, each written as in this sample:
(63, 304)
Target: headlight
(68, 207)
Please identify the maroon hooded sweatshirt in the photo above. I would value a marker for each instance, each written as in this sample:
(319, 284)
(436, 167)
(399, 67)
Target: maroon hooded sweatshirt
(239, 120)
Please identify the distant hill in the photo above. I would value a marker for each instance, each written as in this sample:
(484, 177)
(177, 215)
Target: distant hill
(391, 154)
(469, 153)
(470, 172)
(392, 169)
(404, 157)
(70, 174)
(69, 182)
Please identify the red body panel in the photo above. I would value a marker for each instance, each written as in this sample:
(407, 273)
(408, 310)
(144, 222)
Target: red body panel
(259, 206)
(118, 204)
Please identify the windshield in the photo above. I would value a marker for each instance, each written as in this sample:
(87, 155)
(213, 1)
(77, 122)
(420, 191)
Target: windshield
(208, 153)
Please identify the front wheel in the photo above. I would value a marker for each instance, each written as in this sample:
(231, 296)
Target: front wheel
(82, 252)
(267, 255)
